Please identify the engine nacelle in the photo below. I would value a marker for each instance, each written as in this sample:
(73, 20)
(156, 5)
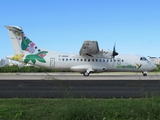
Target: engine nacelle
(107, 54)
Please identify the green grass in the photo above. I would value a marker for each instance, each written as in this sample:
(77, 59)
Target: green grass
(79, 109)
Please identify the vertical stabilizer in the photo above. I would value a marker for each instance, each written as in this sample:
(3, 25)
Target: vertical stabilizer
(21, 44)
(15, 43)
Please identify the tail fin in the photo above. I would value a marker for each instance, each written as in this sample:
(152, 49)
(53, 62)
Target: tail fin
(21, 44)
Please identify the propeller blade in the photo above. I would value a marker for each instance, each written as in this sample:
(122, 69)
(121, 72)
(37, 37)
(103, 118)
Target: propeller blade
(114, 51)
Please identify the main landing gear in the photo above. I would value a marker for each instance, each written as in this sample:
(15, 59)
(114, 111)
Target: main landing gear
(86, 74)
(144, 73)
(88, 71)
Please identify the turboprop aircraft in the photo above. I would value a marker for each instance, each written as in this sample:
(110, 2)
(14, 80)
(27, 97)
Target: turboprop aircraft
(90, 58)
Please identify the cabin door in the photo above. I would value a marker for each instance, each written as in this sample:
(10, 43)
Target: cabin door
(52, 62)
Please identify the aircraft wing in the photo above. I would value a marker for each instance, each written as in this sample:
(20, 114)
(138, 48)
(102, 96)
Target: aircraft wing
(89, 48)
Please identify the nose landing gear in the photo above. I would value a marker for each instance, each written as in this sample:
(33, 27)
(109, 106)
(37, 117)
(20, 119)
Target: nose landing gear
(144, 73)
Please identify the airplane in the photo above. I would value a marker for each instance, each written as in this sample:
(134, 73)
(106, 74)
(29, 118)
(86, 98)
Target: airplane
(89, 60)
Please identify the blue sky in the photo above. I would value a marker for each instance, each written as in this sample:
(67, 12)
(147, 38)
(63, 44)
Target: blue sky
(63, 25)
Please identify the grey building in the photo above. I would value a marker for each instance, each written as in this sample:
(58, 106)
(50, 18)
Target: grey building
(155, 60)
(4, 62)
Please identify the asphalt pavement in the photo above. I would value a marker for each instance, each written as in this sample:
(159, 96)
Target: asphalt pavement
(41, 87)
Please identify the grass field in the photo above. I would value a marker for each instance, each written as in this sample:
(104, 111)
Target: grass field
(79, 109)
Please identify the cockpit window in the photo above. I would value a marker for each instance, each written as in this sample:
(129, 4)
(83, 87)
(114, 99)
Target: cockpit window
(143, 59)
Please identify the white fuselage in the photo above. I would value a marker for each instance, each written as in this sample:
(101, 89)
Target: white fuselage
(75, 62)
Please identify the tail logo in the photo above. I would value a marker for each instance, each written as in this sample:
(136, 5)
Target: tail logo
(17, 57)
(27, 44)
(33, 57)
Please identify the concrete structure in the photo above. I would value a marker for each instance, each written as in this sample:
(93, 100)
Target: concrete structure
(9, 62)
(4, 62)
(154, 59)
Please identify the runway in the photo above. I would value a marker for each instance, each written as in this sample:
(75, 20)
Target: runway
(78, 76)
(75, 85)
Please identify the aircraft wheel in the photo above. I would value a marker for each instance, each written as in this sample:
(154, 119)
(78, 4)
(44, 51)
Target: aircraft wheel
(144, 74)
(86, 74)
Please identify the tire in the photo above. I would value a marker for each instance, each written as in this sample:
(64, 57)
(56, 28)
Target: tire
(86, 74)
(145, 74)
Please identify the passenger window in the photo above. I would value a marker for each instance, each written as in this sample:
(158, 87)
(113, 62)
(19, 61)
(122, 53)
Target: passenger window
(70, 59)
(99, 60)
(96, 60)
(77, 59)
(103, 60)
(81, 59)
(88, 60)
(92, 60)
(85, 60)
(73, 59)
(110, 60)
(66, 59)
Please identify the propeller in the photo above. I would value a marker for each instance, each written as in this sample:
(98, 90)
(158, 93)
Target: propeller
(114, 54)
(114, 51)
